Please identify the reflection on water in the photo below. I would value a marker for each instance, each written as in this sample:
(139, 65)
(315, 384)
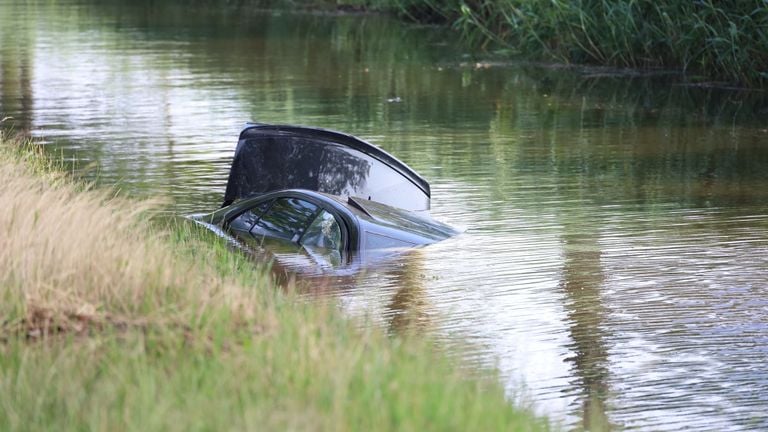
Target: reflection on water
(407, 308)
(614, 264)
(582, 283)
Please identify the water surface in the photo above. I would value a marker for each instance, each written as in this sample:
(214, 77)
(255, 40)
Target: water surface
(614, 266)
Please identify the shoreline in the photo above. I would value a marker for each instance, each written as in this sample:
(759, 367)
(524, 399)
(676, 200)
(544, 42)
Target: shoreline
(111, 322)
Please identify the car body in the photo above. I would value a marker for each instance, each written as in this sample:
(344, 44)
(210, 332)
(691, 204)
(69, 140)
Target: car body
(334, 231)
(330, 195)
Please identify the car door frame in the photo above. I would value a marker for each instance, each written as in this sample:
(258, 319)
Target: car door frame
(349, 230)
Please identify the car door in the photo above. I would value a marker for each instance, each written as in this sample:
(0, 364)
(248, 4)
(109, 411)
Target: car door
(241, 225)
(286, 223)
(286, 219)
(324, 239)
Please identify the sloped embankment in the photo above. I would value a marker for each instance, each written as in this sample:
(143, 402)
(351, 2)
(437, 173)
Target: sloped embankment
(109, 323)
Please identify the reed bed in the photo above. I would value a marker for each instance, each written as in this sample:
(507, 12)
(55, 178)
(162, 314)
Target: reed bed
(724, 41)
(111, 323)
(714, 43)
(708, 40)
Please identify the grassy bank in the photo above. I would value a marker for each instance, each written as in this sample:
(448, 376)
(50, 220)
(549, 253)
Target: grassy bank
(109, 323)
(724, 41)
(708, 40)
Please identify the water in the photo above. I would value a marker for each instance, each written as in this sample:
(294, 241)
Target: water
(615, 262)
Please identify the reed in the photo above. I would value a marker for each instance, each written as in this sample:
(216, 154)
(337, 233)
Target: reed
(720, 40)
(708, 40)
(111, 323)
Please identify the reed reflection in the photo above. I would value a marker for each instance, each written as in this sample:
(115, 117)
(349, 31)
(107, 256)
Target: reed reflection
(581, 281)
(401, 290)
(407, 310)
(16, 71)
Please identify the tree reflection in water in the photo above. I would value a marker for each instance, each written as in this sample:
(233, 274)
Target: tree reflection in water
(581, 282)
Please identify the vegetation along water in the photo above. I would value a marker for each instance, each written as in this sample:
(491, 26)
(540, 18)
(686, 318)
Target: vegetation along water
(112, 323)
(722, 41)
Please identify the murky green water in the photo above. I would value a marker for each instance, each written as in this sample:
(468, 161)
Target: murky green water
(615, 266)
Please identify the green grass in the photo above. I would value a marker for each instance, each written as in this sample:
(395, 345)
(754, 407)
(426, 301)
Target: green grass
(111, 322)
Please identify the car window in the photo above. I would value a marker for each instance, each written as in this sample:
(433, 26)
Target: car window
(286, 219)
(324, 232)
(245, 221)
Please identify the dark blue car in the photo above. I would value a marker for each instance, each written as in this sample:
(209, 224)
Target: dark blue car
(331, 195)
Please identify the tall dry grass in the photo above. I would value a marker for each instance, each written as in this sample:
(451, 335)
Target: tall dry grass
(73, 258)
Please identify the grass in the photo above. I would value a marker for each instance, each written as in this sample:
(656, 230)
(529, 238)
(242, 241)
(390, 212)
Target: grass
(111, 323)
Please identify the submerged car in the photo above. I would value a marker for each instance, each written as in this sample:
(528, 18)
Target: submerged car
(332, 195)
